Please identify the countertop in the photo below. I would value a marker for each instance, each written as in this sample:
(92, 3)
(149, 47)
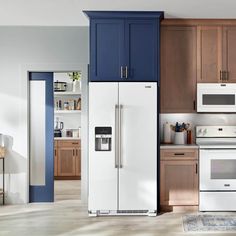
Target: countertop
(66, 138)
(183, 146)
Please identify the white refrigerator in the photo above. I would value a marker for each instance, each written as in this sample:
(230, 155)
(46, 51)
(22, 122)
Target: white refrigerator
(123, 148)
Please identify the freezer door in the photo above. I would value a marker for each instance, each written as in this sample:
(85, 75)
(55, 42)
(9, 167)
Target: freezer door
(138, 145)
(103, 98)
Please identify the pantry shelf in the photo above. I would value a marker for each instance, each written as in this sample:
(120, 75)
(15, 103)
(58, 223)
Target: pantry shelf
(67, 111)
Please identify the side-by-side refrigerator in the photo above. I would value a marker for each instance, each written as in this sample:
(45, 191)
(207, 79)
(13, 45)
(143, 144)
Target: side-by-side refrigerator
(122, 148)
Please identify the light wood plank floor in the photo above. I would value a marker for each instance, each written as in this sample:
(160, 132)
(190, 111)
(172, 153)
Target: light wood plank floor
(69, 217)
(67, 190)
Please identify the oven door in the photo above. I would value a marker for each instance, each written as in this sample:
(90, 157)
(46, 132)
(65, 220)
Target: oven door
(216, 97)
(217, 169)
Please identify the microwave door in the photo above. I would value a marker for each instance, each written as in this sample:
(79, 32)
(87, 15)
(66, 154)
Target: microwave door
(216, 100)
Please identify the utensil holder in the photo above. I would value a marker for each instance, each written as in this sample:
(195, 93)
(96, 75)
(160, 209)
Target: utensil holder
(179, 138)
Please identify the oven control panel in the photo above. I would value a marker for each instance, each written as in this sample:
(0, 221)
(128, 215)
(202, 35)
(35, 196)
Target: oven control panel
(215, 131)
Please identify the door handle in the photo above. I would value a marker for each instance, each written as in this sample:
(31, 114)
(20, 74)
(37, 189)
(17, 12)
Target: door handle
(227, 75)
(73, 152)
(121, 72)
(126, 72)
(120, 137)
(116, 136)
(221, 75)
(196, 168)
(76, 151)
(55, 152)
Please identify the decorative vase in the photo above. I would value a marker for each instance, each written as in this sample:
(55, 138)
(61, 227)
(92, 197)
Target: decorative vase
(76, 86)
(179, 138)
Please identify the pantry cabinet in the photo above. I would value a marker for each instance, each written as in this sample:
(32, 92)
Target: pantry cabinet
(179, 177)
(67, 160)
(178, 69)
(124, 46)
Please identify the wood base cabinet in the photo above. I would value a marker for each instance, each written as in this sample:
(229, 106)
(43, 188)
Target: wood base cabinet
(67, 160)
(179, 177)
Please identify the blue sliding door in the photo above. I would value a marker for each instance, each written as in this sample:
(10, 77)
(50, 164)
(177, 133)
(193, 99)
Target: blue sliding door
(41, 187)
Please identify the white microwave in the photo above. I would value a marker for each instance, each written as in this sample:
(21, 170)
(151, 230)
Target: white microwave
(216, 97)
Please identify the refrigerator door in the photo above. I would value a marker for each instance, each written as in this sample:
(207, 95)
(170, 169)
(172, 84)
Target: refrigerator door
(103, 173)
(138, 146)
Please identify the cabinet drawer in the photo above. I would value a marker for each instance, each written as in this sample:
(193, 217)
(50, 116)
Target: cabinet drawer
(69, 143)
(175, 154)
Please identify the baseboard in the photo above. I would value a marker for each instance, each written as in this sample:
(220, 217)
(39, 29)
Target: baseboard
(67, 178)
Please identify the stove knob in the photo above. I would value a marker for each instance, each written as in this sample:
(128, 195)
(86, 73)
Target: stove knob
(204, 131)
(199, 132)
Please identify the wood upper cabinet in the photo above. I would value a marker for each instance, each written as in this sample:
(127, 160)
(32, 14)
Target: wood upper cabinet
(209, 54)
(179, 177)
(178, 69)
(229, 53)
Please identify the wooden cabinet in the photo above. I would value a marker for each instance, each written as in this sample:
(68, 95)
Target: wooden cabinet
(67, 160)
(216, 54)
(124, 46)
(229, 53)
(178, 69)
(179, 177)
(55, 158)
(209, 54)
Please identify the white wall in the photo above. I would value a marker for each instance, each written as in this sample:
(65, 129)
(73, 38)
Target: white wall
(21, 46)
(69, 12)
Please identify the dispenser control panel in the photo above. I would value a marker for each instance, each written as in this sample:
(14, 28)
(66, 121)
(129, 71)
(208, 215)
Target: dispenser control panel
(103, 136)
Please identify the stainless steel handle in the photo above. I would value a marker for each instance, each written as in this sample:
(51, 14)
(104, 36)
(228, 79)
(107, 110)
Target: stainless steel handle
(120, 137)
(121, 72)
(116, 136)
(126, 72)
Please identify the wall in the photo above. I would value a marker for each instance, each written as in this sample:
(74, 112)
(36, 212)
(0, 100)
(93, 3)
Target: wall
(197, 119)
(69, 13)
(21, 46)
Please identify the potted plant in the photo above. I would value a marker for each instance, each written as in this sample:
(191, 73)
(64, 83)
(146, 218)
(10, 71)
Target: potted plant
(76, 77)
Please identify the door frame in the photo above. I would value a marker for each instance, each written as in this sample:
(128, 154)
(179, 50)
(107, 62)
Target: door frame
(24, 117)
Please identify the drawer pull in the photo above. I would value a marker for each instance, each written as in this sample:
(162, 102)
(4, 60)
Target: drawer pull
(179, 154)
(75, 143)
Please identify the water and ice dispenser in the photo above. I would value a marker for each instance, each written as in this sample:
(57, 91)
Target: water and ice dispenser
(103, 138)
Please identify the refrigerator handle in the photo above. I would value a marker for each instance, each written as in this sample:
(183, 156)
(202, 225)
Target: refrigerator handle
(116, 136)
(120, 136)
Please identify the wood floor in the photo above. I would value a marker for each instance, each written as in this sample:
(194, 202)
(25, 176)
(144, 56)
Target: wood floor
(69, 217)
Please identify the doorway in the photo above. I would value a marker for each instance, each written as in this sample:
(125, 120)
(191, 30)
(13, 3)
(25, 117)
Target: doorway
(67, 135)
(69, 167)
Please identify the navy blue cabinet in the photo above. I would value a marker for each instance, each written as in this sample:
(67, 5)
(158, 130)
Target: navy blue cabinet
(124, 46)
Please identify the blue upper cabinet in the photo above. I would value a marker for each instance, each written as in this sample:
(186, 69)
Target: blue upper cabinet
(106, 49)
(124, 46)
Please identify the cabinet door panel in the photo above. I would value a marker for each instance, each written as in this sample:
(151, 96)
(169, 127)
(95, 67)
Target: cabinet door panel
(178, 69)
(55, 162)
(179, 183)
(141, 53)
(66, 162)
(107, 49)
(78, 162)
(229, 52)
(209, 53)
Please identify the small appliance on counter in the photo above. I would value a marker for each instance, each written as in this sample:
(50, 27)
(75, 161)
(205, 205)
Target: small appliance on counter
(60, 86)
(58, 128)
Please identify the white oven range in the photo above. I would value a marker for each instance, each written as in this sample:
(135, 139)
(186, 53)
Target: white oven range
(217, 167)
